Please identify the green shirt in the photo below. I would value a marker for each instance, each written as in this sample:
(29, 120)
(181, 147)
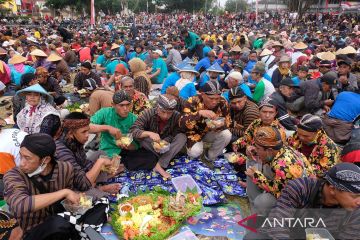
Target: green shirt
(159, 63)
(108, 116)
(192, 40)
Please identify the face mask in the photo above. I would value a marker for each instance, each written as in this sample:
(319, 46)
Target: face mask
(38, 170)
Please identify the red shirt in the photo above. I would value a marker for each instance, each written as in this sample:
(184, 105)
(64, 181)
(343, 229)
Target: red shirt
(84, 54)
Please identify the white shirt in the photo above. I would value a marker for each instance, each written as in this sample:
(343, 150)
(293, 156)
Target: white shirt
(10, 142)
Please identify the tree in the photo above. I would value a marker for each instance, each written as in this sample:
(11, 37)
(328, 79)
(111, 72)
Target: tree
(236, 6)
(187, 5)
(300, 6)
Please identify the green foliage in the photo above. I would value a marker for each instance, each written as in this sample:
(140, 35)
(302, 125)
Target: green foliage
(179, 219)
(236, 6)
(115, 6)
(187, 5)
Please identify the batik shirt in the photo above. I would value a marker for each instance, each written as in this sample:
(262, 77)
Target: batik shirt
(248, 138)
(194, 125)
(140, 102)
(288, 164)
(323, 156)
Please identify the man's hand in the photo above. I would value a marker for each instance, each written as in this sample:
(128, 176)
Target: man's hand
(328, 102)
(326, 108)
(343, 79)
(250, 152)
(154, 136)
(72, 196)
(115, 132)
(207, 114)
(250, 172)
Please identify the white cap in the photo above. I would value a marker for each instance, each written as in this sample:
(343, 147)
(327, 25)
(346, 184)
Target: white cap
(158, 52)
(236, 75)
(6, 44)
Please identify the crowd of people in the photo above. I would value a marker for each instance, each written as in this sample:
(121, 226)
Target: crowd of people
(281, 92)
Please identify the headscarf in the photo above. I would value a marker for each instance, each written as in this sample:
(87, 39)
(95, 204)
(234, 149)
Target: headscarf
(40, 144)
(310, 123)
(120, 68)
(345, 177)
(121, 96)
(75, 123)
(267, 102)
(166, 103)
(268, 137)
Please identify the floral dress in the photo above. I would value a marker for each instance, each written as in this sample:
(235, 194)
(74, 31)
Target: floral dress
(288, 164)
(194, 125)
(140, 102)
(324, 155)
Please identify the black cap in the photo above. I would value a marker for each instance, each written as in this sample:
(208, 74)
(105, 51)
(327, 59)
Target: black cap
(303, 68)
(288, 82)
(329, 78)
(211, 88)
(345, 60)
(86, 65)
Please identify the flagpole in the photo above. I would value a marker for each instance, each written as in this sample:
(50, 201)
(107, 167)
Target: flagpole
(92, 14)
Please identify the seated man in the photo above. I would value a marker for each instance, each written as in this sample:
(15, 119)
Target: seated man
(233, 80)
(339, 122)
(34, 190)
(119, 117)
(337, 197)
(267, 111)
(139, 100)
(86, 77)
(70, 148)
(243, 112)
(280, 164)
(208, 105)
(160, 123)
(311, 140)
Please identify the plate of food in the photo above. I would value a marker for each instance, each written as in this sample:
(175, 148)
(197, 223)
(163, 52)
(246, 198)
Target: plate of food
(153, 215)
(83, 93)
(234, 158)
(215, 123)
(125, 140)
(115, 160)
(161, 147)
(85, 203)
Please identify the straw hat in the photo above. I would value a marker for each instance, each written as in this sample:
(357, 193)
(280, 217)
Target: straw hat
(285, 58)
(245, 50)
(114, 46)
(277, 44)
(300, 46)
(340, 51)
(17, 59)
(235, 49)
(326, 56)
(53, 58)
(38, 53)
(349, 50)
(265, 52)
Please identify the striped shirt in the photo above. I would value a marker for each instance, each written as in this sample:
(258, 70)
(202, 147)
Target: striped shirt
(301, 198)
(19, 192)
(245, 117)
(149, 121)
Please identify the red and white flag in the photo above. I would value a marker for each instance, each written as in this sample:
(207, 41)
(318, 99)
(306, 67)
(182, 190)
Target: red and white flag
(92, 17)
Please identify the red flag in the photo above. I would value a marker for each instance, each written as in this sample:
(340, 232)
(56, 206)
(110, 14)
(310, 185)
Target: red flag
(92, 17)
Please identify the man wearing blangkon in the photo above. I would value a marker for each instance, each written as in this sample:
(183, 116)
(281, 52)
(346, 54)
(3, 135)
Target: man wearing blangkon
(332, 203)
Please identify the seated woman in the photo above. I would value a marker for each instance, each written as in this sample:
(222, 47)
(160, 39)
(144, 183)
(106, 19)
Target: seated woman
(312, 141)
(18, 68)
(70, 148)
(185, 84)
(120, 72)
(38, 115)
